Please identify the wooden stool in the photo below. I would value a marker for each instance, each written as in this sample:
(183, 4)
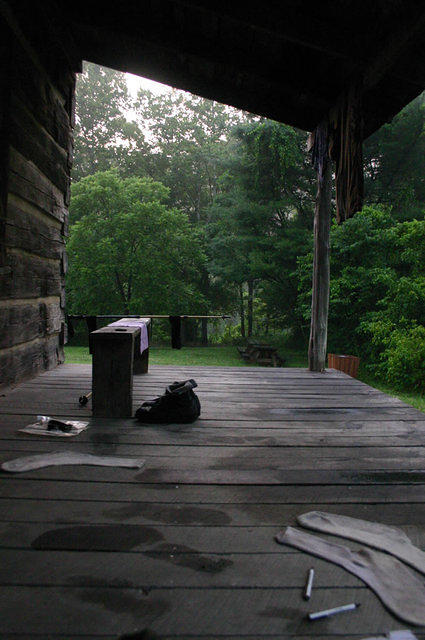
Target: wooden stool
(113, 363)
(117, 356)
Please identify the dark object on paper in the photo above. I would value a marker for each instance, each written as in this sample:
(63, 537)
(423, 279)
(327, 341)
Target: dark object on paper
(178, 404)
(47, 426)
(58, 425)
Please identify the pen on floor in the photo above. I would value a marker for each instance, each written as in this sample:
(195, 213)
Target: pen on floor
(331, 612)
(309, 585)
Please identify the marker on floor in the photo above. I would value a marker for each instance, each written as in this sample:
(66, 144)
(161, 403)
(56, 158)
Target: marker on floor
(309, 585)
(326, 613)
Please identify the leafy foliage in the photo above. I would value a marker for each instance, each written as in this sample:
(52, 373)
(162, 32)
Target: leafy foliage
(260, 223)
(185, 205)
(104, 136)
(377, 292)
(394, 160)
(128, 251)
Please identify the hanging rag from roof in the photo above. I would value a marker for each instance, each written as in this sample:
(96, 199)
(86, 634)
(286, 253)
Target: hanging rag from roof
(176, 328)
(91, 322)
(345, 148)
(70, 327)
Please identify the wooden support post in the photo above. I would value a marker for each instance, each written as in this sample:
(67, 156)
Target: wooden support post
(321, 274)
(113, 359)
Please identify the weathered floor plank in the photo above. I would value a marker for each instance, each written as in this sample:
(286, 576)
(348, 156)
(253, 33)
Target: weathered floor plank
(146, 513)
(20, 487)
(185, 546)
(118, 608)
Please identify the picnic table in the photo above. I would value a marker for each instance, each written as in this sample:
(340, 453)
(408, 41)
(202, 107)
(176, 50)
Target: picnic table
(261, 354)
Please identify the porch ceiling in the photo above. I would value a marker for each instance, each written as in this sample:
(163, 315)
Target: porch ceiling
(285, 60)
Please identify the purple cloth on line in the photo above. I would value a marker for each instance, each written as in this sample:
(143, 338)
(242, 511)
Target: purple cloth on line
(135, 322)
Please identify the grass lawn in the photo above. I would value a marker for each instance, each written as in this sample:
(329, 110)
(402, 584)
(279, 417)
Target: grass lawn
(417, 400)
(228, 356)
(77, 355)
(207, 356)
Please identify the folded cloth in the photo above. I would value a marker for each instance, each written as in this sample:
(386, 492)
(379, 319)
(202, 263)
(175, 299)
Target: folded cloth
(377, 535)
(56, 458)
(135, 322)
(399, 589)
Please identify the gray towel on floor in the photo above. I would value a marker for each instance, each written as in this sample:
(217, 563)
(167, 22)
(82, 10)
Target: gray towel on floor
(28, 463)
(400, 590)
(374, 534)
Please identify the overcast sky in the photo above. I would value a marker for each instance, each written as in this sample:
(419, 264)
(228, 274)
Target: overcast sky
(135, 82)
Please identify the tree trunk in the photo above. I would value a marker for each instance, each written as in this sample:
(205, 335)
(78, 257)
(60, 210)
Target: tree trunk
(250, 305)
(242, 311)
(204, 332)
(321, 274)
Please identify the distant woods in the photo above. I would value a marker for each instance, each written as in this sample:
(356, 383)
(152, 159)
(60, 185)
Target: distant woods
(184, 205)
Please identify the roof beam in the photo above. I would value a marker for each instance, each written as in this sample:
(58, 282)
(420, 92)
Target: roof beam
(216, 80)
(394, 48)
(285, 28)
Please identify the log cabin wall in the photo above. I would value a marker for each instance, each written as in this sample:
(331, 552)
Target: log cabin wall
(36, 121)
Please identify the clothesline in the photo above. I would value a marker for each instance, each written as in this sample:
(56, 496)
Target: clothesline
(175, 322)
(145, 315)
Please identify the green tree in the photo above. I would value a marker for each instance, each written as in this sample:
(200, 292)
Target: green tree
(129, 252)
(377, 294)
(262, 221)
(364, 266)
(394, 161)
(104, 137)
(189, 137)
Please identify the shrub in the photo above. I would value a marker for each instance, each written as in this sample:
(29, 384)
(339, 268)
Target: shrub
(405, 359)
(397, 355)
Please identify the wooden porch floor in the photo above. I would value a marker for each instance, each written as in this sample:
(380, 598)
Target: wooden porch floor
(186, 545)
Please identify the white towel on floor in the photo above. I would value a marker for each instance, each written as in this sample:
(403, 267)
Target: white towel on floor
(55, 458)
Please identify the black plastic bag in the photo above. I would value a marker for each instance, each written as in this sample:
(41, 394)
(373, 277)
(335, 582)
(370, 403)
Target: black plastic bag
(178, 404)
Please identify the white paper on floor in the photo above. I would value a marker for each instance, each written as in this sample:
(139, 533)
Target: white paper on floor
(56, 458)
(41, 428)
